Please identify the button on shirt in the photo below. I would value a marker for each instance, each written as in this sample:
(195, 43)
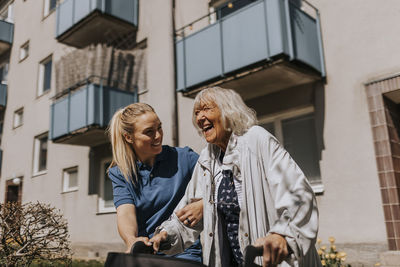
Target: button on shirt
(158, 189)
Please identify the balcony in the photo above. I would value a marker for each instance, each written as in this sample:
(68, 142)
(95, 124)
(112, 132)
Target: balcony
(80, 117)
(3, 96)
(6, 36)
(266, 46)
(83, 22)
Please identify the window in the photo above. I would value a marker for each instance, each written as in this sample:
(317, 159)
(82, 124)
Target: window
(40, 154)
(231, 6)
(296, 131)
(7, 13)
(49, 6)
(106, 203)
(24, 51)
(70, 179)
(44, 76)
(18, 117)
(3, 73)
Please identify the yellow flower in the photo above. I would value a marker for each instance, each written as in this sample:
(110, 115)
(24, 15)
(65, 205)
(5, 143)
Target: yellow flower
(333, 255)
(342, 254)
(378, 264)
(327, 256)
(323, 248)
(332, 239)
(323, 262)
(319, 241)
(320, 252)
(333, 247)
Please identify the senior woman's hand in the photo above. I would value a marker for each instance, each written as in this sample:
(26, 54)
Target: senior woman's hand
(157, 239)
(192, 213)
(275, 249)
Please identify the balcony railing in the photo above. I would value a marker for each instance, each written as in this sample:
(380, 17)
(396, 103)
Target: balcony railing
(84, 22)
(6, 36)
(3, 95)
(257, 34)
(78, 116)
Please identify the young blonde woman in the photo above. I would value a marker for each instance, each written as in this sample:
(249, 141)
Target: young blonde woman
(149, 179)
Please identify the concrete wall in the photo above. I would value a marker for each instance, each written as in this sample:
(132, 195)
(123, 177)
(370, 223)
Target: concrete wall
(355, 36)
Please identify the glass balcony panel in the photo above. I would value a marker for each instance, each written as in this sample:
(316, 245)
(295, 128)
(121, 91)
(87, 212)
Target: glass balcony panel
(6, 36)
(305, 37)
(81, 117)
(203, 55)
(78, 110)
(245, 38)
(59, 118)
(261, 33)
(3, 95)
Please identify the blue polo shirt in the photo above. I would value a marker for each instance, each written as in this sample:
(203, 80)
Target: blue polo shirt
(158, 191)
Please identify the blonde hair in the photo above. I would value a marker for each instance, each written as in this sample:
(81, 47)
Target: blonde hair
(121, 124)
(236, 116)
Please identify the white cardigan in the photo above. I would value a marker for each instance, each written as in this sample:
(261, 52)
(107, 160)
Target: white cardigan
(276, 198)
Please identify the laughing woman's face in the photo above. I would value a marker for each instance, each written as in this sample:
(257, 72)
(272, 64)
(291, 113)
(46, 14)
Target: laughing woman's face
(208, 119)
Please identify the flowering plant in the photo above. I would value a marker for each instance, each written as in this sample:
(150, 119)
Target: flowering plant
(331, 257)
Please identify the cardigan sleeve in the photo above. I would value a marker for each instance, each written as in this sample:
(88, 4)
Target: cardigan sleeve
(294, 201)
(181, 236)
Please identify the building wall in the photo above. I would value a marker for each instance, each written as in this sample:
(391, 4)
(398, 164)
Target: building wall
(356, 51)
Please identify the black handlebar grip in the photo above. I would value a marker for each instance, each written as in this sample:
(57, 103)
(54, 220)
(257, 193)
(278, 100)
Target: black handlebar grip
(140, 247)
(250, 253)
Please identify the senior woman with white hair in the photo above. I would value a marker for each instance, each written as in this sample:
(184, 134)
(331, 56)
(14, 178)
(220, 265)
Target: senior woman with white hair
(253, 191)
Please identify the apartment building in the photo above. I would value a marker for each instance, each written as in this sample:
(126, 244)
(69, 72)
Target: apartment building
(321, 75)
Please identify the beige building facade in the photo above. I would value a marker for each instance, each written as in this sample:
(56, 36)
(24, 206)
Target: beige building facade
(322, 76)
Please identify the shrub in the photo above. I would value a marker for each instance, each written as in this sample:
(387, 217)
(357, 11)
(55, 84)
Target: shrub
(33, 231)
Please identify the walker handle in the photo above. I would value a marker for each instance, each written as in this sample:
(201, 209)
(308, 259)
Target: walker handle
(140, 247)
(250, 253)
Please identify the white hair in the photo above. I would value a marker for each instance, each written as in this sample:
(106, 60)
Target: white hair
(236, 116)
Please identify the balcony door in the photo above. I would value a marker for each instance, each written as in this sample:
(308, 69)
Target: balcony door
(14, 190)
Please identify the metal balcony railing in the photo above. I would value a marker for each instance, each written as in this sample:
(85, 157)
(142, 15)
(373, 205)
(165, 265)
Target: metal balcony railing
(215, 46)
(90, 106)
(82, 22)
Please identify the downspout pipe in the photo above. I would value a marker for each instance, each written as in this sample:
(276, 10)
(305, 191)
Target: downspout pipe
(175, 116)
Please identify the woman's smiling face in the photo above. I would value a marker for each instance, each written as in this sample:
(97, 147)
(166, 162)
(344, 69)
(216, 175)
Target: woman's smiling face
(147, 136)
(209, 120)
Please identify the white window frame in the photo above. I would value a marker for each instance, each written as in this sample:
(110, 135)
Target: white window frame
(36, 154)
(40, 90)
(101, 202)
(277, 119)
(24, 51)
(65, 179)
(18, 119)
(9, 11)
(46, 8)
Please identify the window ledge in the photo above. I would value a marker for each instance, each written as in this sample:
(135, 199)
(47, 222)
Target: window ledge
(69, 190)
(39, 173)
(101, 212)
(318, 188)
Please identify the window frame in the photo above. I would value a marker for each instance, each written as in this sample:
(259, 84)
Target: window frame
(24, 47)
(19, 111)
(47, 10)
(101, 203)
(36, 154)
(277, 119)
(41, 75)
(65, 179)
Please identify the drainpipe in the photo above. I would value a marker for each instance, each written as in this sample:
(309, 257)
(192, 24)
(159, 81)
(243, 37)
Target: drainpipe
(175, 120)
